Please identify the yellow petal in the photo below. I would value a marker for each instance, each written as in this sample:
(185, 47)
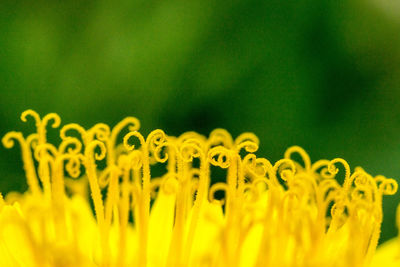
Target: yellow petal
(15, 239)
(387, 254)
(160, 228)
(207, 235)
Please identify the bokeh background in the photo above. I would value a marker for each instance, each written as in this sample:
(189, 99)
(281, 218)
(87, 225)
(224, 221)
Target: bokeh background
(324, 75)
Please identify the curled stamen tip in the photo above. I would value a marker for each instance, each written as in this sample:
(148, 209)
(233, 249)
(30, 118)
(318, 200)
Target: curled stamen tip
(29, 112)
(333, 169)
(90, 150)
(135, 123)
(126, 139)
(8, 141)
(53, 116)
(158, 156)
(389, 186)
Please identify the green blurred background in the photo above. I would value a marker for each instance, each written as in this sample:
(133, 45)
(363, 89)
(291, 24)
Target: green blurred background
(324, 75)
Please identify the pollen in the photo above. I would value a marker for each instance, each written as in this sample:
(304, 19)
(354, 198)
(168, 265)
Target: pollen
(111, 196)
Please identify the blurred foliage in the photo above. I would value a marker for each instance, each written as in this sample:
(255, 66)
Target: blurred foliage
(324, 75)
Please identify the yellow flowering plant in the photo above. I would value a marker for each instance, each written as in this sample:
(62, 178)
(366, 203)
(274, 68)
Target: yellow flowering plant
(93, 200)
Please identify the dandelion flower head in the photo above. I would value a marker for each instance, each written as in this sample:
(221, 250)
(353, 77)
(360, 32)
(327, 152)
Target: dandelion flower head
(114, 197)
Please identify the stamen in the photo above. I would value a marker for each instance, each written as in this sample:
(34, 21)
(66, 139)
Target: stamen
(89, 162)
(29, 166)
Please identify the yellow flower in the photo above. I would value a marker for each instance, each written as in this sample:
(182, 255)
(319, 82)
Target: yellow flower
(183, 201)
